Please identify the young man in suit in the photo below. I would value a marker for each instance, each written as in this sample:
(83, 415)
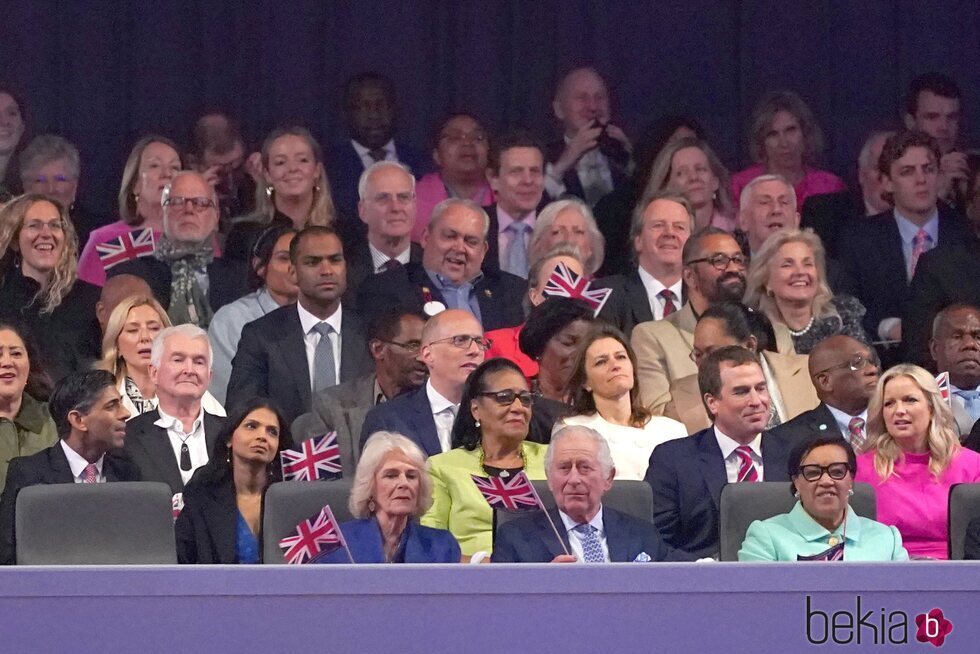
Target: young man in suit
(454, 246)
(301, 348)
(91, 422)
(452, 347)
(687, 474)
(580, 470)
(394, 340)
(175, 439)
(933, 106)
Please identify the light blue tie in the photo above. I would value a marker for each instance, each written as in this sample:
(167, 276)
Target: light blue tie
(517, 250)
(591, 547)
(324, 370)
(970, 403)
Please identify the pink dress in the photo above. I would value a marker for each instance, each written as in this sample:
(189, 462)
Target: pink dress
(814, 182)
(915, 502)
(90, 267)
(430, 191)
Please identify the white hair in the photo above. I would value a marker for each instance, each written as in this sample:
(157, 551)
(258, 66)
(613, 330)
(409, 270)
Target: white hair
(743, 199)
(449, 203)
(362, 182)
(187, 173)
(377, 447)
(547, 216)
(864, 157)
(187, 330)
(564, 431)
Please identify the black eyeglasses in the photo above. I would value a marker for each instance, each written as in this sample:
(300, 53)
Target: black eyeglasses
(856, 363)
(507, 397)
(463, 341)
(411, 346)
(814, 472)
(720, 261)
(199, 203)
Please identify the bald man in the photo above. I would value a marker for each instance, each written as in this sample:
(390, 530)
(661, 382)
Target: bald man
(115, 290)
(845, 372)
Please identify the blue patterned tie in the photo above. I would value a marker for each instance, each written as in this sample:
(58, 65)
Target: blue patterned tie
(591, 546)
(970, 403)
(517, 263)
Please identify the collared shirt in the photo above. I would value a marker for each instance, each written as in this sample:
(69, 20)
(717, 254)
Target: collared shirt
(954, 390)
(443, 413)
(653, 288)
(365, 154)
(843, 421)
(728, 446)
(592, 160)
(379, 258)
(575, 538)
(458, 297)
(78, 464)
(196, 443)
(505, 235)
(379, 395)
(907, 230)
(311, 337)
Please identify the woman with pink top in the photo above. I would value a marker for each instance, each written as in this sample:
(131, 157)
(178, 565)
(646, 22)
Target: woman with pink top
(152, 163)
(915, 458)
(460, 150)
(784, 139)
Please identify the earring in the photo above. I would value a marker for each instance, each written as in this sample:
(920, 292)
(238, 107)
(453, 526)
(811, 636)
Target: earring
(850, 491)
(796, 494)
(477, 424)
(268, 191)
(371, 505)
(228, 457)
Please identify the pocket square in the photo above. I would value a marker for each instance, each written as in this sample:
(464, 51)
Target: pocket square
(642, 557)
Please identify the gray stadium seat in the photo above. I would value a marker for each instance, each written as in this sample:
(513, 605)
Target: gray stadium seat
(741, 504)
(288, 503)
(121, 523)
(964, 505)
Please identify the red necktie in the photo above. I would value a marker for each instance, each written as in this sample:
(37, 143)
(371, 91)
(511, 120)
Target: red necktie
(90, 475)
(668, 297)
(746, 468)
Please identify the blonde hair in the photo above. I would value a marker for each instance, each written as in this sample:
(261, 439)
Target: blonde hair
(941, 438)
(547, 216)
(64, 275)
(765, 113)
(111, 359)
(757, 294)
(377, 447)
(127, 197)
(323, 211)
(659, 179)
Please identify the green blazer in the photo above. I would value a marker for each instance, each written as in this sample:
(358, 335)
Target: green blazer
(31, 431)
(457, 504)
(783, 537)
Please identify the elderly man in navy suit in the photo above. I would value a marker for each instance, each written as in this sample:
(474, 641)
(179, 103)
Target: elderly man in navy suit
(580, 470)
(687, 474)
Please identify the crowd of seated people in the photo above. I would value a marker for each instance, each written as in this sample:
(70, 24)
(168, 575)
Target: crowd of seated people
(584, 314)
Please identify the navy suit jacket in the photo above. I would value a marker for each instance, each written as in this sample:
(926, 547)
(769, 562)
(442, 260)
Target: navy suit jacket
(418, 545)
(344, 167)
(687, 475)
(227, 279)
(573, 186)
(808, 425)
(207, 528)
(409, 414)
(531, 540)
(628, 305)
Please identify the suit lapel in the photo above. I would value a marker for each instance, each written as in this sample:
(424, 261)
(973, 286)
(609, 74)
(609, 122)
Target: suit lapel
(484, 296)
(772, 459)
(547, 534)
(712, 465)
(156, 442)
(353, 348)
(212, 425)
(420, 279)
(618, 540)
(893, 265)
(59, 469)
(292, 348)
(424, 424)
(822, 417)
(637, 299)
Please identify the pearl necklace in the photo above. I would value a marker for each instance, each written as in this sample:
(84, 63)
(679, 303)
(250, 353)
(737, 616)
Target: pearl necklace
(793, 332)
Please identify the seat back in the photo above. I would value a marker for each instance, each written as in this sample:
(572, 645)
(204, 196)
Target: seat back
(288, 503)
(964, 506)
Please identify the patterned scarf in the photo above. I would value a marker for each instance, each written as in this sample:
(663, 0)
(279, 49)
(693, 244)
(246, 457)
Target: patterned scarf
(133, 391)
(188, 302)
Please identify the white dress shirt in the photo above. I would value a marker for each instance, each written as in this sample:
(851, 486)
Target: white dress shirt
(443, 413)
(843, 421)
(630, 447)
(78, 464)
(311, 338)
(653, 288)
(379, 258)
(732, 460)
(575, 538)
(196, 443)
(365, 154)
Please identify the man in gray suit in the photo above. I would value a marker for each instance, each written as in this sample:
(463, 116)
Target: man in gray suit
(394, 340)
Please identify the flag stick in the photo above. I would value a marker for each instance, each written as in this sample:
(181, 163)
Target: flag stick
(340, 534)
(550, 521)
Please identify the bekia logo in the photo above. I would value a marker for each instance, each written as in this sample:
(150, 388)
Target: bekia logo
(881, 627)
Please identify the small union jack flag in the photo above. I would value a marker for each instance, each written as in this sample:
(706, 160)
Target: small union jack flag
(565, 283)
(131, 245)
(177, 504)
(317, 458)
(314, 537)
(514, 494)
(835, 553)
(942, 380)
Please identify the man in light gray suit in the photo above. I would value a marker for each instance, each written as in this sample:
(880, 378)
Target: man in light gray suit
(394, 342)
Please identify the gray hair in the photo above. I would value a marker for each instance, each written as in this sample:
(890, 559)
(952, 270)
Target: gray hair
(47, 148)
(602, 447)
(187, 330)
(864, 157)
(743, 199)
(362, 182)
(547, 216)
(186, 173)
(560, 250)
(636, 223)
(449, 203)
(377, 447)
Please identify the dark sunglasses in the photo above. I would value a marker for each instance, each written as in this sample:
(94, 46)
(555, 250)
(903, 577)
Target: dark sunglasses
(507, 397)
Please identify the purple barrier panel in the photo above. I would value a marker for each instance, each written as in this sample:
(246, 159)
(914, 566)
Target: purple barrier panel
(491, 608)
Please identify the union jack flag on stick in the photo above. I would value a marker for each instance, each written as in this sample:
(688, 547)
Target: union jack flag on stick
(131, 245)
(317, 458)
(514, 494)
(563, 282)
(315, 537)
(942, 380)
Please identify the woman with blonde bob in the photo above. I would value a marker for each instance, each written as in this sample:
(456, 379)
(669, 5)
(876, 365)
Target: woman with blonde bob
(787, 281)
(915, 457)
(569, 221)
(391, 491)
(689, 166)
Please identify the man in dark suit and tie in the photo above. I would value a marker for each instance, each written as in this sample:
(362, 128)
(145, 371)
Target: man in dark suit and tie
(687, 474)
(580, 470)
(844, 372)
(175, 439)
(394, 340)
(955, 348)
(452, 347)
(300, 348)
(659, 230)
(454, 245)
(91, 421)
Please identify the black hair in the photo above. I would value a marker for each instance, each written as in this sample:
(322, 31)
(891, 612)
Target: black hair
(937, 83)
(311, 230)
(465, 432)
(515, 138)
(896, 147)
(693, 244)
(440, 124)
(367, 78)
(549, 318)
(265, 246)
(802, 449)
(386, 326)
(78, 391)
(741, 322)
(38, 382)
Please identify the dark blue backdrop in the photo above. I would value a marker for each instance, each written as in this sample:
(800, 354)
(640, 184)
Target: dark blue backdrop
(103, 71)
